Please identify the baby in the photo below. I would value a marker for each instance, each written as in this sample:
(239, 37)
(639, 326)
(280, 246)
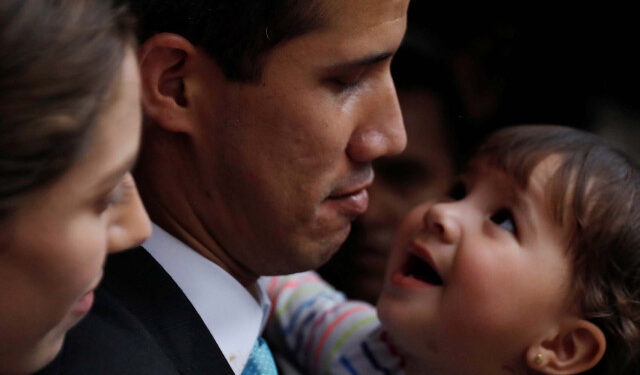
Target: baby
(531, 265)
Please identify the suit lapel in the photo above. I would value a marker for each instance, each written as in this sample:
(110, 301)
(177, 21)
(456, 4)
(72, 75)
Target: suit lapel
(149, 293)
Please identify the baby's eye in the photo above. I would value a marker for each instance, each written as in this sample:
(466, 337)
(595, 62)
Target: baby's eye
(458, 191)
(504, 218)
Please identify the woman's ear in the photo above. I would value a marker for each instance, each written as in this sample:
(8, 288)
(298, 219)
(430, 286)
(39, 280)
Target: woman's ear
(575, 348)
(164, 66)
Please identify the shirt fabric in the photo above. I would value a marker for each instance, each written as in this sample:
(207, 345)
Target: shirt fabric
(231, 314)
(323, 332)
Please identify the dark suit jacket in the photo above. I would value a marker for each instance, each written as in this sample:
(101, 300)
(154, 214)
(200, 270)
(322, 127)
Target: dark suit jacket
(141, 324)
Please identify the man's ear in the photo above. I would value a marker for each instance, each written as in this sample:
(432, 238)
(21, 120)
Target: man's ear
(575, 348)
(164, 63)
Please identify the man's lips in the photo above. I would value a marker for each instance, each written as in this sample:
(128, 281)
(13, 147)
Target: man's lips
(358, 182)
(355, 203)
(353, 198)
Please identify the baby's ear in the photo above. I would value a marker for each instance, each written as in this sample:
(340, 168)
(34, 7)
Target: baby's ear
(576, 347)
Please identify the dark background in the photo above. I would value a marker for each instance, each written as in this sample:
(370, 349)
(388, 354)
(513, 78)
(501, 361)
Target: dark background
(571, 70)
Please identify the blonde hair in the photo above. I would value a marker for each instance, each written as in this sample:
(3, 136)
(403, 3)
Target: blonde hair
(56, 72)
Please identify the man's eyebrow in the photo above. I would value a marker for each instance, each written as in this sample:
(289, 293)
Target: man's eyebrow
(362, 62)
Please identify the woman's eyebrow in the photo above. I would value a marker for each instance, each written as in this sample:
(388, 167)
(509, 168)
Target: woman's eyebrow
(120, 171)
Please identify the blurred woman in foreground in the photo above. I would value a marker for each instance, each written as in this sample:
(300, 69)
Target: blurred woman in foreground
(70, 126)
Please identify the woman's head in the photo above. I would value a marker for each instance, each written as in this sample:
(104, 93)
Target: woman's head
(69, 134)
(531, 264)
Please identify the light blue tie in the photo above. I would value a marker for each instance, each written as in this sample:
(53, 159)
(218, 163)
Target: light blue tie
(260, 360)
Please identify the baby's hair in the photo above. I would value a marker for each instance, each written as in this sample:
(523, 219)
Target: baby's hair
(595, 193)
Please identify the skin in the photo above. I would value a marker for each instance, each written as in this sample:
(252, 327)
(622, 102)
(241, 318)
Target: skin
(267, 176)
(503, 290)
(422, 172)
(54, 246)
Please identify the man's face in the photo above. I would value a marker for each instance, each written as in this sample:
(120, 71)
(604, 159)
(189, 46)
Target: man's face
(286, 161)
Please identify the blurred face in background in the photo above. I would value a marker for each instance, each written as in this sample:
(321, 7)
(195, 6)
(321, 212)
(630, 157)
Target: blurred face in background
(422, 172)
(53, 247)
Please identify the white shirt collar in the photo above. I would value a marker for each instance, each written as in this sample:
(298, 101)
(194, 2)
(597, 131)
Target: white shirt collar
(229, 311)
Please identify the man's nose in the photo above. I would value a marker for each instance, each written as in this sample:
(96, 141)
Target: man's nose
(380, 131)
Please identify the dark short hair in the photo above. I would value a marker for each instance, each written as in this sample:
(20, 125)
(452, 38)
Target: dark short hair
(235, 33)
(59, 62)
(595, 193)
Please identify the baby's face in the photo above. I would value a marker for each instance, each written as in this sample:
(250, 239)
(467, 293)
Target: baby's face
(477, 277)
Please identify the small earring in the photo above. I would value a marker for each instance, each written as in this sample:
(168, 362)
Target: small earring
(538, 359)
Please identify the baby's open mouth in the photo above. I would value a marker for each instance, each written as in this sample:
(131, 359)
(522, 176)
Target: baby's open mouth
(419, 269)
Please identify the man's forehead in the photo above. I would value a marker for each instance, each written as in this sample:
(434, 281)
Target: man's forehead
(365, 12)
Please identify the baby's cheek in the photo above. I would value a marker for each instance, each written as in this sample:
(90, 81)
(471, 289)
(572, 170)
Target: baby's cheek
(498, 307)
(484, 293)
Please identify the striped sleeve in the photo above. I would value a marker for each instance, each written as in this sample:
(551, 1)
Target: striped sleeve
(325, 333)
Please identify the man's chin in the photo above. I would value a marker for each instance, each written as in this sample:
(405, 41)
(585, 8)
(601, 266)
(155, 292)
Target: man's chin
(332, 244)
(316, 253)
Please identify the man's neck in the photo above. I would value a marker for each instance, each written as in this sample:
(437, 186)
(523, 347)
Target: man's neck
(168, 192)
(199, 240)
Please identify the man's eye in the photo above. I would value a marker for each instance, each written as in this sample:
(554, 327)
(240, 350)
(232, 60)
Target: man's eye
(504, 218)
(347, 80)
(458, 191)
(345, 83)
